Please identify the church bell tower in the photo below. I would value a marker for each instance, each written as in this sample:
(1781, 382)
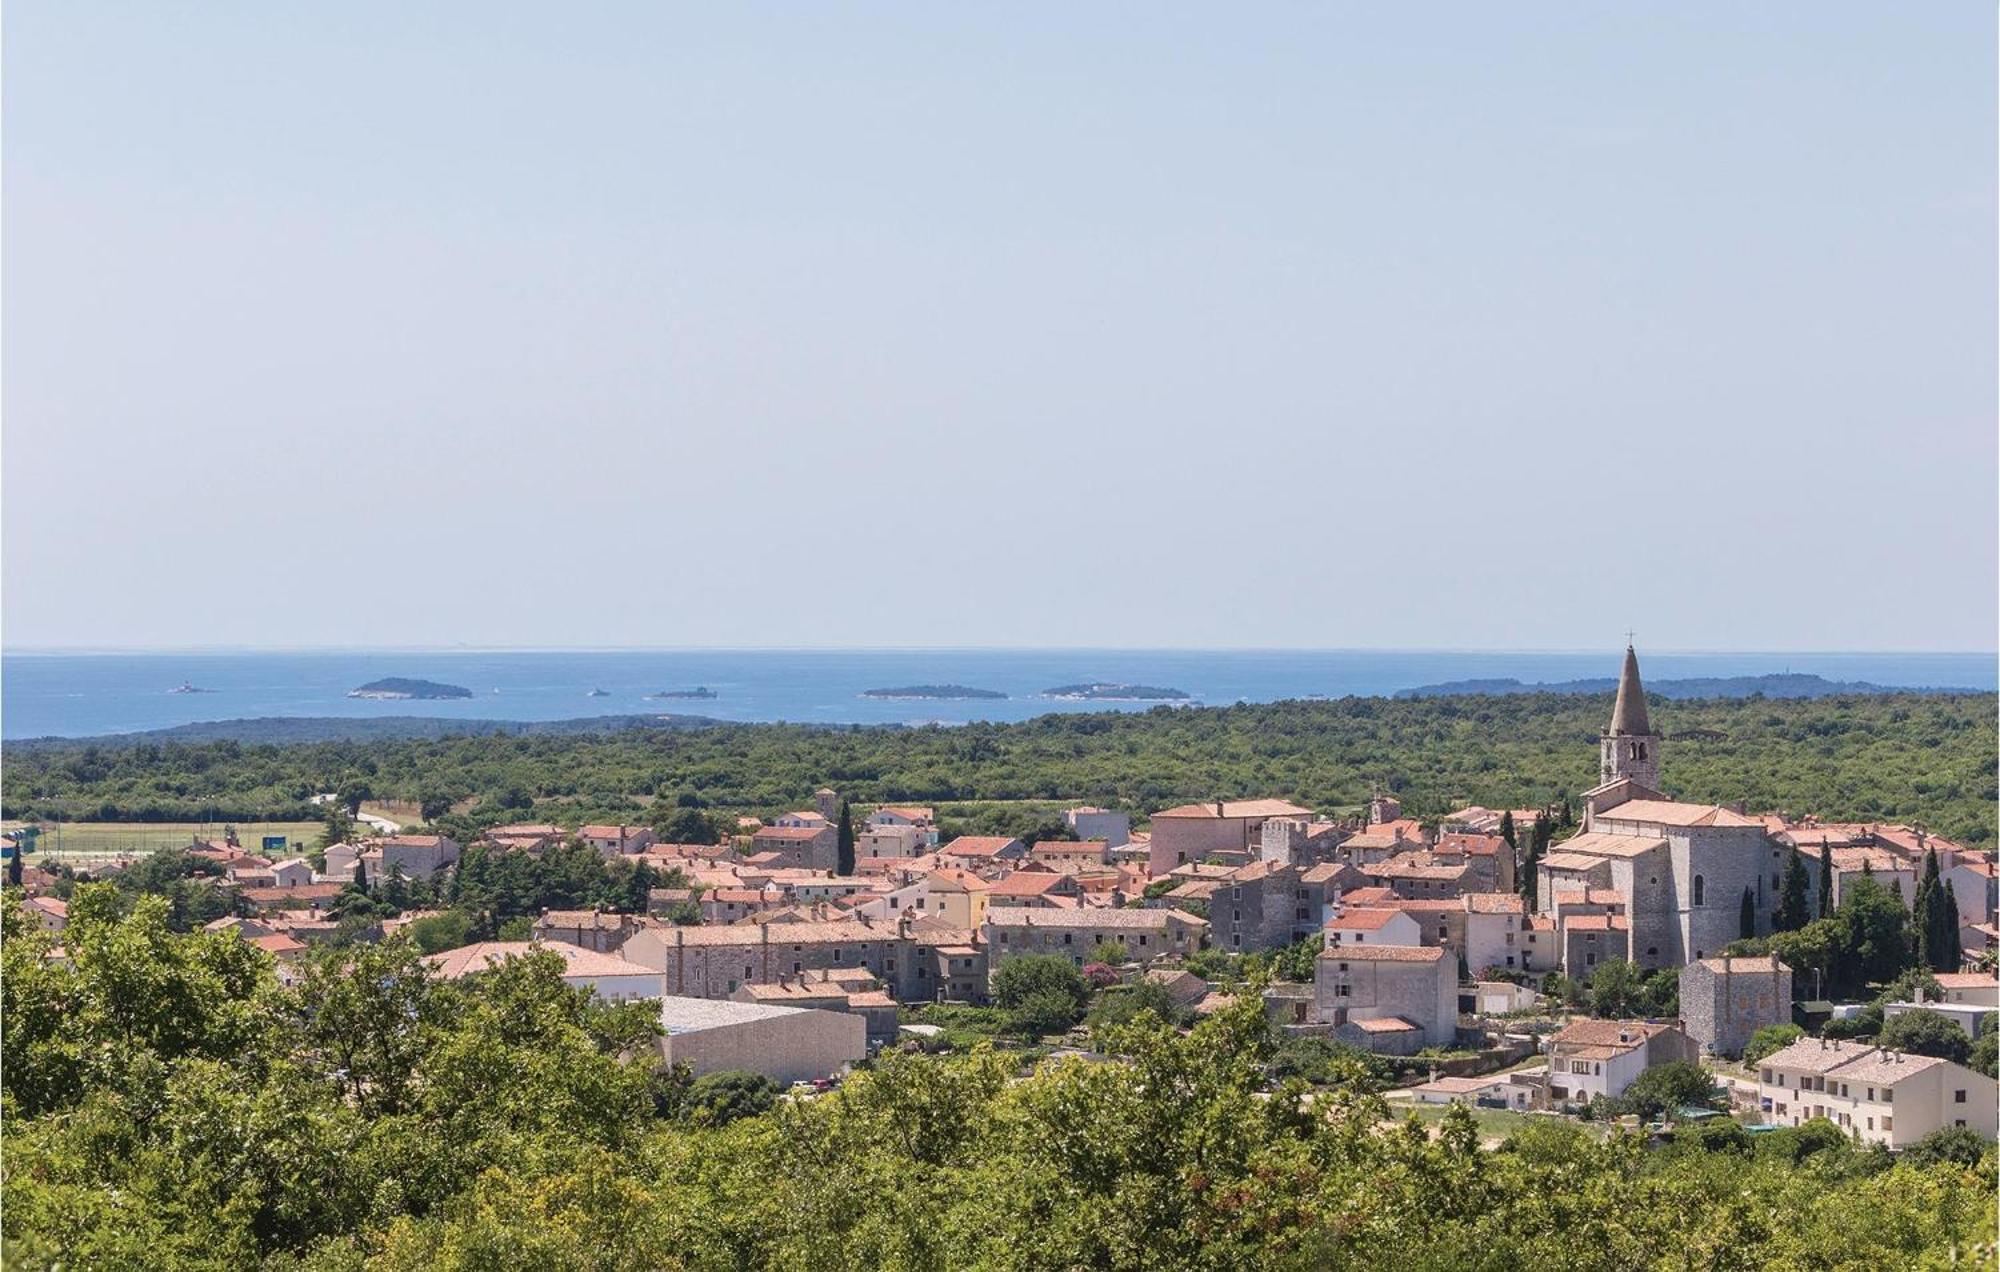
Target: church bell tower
(1629, 747)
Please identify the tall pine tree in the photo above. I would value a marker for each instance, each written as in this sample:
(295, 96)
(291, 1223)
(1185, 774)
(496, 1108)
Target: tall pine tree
(1791, 915)
(1948, 927)
(844, 863)
(1825, 880)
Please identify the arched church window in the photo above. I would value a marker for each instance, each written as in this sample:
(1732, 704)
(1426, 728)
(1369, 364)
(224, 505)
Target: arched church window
(1697, 889)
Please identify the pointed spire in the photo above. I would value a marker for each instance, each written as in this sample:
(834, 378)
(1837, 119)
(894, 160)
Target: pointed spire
(1628, 714)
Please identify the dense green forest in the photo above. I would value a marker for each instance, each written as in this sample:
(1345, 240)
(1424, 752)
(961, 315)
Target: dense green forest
(169, 1105)
(1927, 758)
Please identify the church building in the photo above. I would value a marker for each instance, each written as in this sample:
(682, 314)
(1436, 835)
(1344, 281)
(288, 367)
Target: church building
(1652, 879)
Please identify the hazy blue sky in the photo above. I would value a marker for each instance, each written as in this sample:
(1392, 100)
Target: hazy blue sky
(636, 324)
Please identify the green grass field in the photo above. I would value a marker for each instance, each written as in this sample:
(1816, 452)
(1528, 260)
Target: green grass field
(84, 840)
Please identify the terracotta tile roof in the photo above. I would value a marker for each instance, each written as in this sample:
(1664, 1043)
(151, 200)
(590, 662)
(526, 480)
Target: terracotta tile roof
(588, 920)
(1247, 808)
(278, 943)
(836, 931)
(957, 881)
(1495, 903)
(1740, 966)
(1471, 845)
(1384, 1025)
(1597, 923)
(478, 957)
(1967, 980)
(1027, 884)
(1364, 920)
(1815, 1055)
(1617, 1035)
(304, 893)
(1604, 844)
(1886, 1068)
(977, 846)
(1383, 953)
(1327, 872)
(745, 896)
(1375, 894)
(1570, 861)
(1019, 917)
(1666, 812)
(800, 833)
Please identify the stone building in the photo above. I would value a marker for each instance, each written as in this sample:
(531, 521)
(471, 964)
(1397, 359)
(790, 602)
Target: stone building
(1725, 1000)
(1089, 822)
(1073, 934)
(800, 847)
(712, 962)
(1628, 747)
(1263, 906)
(1394, 998)
(1194, 831)
(1681, 869)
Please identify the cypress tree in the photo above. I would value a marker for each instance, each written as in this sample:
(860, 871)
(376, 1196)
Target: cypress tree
(844, 863)
(361, 878)
(1746, 917)
(1513, 844)
(1923, 913)
(1948, 928)
(1791, 915)
(1825, 879)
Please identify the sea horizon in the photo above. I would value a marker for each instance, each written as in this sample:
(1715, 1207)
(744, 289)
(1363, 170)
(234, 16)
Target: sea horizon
(107, 692)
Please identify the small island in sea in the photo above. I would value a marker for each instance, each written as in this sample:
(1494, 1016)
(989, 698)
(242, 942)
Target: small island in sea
(932, 691)
(1099, 691)
(397, 687)
(699, 691)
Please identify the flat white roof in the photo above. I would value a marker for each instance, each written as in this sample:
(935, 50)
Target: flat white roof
(692, 1015)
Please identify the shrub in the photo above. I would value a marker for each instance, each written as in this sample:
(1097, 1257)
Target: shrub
(1121, 1005)
(1926, 1033)
(1959, 1145)
(1665, 1088)
(1023, 976)
(717, 1099)
(1769, 1039)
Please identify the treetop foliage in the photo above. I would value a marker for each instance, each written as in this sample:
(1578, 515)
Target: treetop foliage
(1927, 758)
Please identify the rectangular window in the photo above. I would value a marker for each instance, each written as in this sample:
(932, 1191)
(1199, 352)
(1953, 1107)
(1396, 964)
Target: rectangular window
(1958, 1097)
(1888, 1123)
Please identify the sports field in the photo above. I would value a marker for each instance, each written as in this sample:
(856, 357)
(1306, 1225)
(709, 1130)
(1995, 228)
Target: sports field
(84, 840)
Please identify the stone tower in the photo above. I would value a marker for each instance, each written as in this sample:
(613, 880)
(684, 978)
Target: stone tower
(827, 802)
(1629, 747)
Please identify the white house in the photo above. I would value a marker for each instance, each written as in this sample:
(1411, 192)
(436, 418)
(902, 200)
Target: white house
(1373, 925)
(1883, 1097)
(1590, 1058)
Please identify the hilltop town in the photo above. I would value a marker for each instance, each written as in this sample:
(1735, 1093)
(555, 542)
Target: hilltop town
(1525, 959)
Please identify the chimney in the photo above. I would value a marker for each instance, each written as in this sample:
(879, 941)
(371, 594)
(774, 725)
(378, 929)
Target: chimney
(1218, 808)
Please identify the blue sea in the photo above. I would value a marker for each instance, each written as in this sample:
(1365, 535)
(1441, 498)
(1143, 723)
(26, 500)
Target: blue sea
(79, 695)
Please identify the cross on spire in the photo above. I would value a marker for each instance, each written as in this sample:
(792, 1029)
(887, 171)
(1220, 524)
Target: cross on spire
(1629, 635)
